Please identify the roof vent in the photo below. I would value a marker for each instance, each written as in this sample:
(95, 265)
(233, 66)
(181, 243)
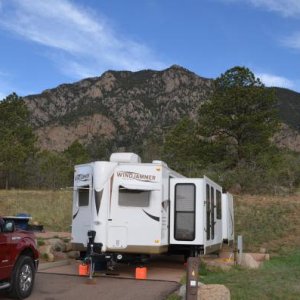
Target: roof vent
(125, 157)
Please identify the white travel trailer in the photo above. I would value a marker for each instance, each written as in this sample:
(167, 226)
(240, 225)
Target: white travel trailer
(144, 208)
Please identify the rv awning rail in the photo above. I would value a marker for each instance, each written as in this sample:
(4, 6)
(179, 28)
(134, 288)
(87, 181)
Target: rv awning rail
(139, 187)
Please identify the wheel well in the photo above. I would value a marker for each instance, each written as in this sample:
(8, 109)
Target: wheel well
(27, 252)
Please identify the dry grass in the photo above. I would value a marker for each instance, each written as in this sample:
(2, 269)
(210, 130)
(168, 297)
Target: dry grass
(264, 221)
(269, 222)
(53, 209)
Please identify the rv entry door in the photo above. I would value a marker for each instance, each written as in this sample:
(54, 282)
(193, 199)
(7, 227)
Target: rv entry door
(185, 210)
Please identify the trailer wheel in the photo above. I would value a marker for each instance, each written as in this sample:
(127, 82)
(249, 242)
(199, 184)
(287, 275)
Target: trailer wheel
(22, 278)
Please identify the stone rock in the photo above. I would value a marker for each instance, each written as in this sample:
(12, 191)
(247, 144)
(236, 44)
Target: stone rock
(57, 244)
(213, 292)
(260, 257)
(73, 254)
(46, 252)
(45, 249)
(182, 291)
(248, 261)
(52, 234)
(223, 263)
(68, 247)
(51, 257)
(253, 260)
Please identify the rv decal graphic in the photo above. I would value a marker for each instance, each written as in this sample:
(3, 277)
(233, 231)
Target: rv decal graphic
(82, 177)
(136, 176)
(151, 216)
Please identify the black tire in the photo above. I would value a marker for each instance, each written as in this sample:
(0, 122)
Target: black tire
(22, 278)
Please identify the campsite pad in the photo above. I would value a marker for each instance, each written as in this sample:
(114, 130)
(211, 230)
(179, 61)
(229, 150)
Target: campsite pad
(168, 268)
(62, 287)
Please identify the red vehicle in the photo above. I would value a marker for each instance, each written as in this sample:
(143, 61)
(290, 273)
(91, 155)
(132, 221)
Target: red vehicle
(18, 259)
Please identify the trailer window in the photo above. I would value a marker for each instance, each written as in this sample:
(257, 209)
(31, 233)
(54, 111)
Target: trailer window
(83, 196)
(219, 205)
(212, 208)
(133, 198)
(207, 212)
(185, 196)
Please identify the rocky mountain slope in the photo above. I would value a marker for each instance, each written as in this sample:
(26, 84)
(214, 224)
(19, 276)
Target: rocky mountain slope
(129, 107)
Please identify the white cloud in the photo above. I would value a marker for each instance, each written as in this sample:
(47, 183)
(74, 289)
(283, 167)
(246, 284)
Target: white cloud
(286, 8)
(88, 42)
(274, 80)
(293, 41)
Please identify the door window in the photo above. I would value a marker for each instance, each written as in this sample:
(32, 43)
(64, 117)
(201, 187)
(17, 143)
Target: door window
(185, 196)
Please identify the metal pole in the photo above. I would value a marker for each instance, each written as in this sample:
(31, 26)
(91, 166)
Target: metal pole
(192, 278)
(240, 249)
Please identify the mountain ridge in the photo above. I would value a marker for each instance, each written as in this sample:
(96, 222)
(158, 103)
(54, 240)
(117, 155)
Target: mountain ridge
(128, 107)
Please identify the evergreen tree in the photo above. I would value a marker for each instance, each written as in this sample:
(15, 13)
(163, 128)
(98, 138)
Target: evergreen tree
(76, 154)
(16, 136)
(240, 117)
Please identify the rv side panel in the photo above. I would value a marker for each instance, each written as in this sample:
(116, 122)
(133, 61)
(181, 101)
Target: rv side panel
(228, 217)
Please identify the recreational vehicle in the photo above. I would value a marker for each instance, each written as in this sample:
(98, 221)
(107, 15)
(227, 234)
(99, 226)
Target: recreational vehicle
(134, 208)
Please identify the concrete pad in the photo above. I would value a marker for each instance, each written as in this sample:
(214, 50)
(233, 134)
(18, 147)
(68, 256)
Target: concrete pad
(159, 268)
(63, 287)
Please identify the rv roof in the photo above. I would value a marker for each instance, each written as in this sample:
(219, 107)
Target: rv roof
(125, 157)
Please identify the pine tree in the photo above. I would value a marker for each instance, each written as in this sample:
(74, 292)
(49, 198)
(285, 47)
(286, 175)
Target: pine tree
(240, 116)
(17, 139)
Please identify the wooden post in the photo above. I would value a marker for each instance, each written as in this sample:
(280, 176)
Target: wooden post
(192, 278)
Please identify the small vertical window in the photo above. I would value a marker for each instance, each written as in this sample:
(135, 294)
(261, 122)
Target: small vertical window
(185, 196)
(212, 207)
(207, 212)
(83, 195)
(219, 205)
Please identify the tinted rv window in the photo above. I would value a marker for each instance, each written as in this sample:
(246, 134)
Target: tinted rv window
(219, 205)
(133, 198)
(83, 196)
(185, 194)
(212, 209)
(207, 212)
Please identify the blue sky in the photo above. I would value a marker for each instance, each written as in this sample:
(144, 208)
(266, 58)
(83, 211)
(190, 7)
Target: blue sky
(45, 43)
